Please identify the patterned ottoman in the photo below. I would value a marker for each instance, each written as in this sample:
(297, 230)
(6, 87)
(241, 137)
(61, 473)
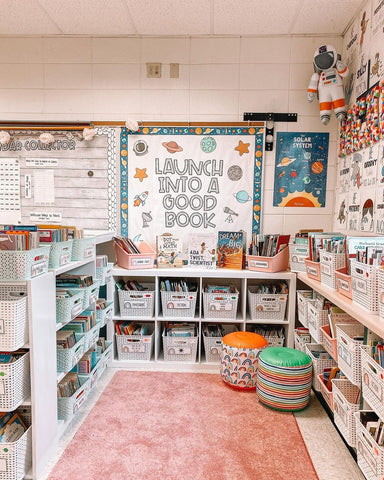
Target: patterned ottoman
(239, 359)
(284, 378)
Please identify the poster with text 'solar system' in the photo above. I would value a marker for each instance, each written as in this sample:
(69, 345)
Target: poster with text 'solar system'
(301, 169)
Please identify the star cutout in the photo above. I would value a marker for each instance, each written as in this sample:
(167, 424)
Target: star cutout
(141, 173)
(242, 148)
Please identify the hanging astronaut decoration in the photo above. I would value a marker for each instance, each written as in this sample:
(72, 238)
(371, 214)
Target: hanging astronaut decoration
(327, 82)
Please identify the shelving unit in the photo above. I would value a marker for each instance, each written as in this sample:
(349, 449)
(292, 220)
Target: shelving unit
(240, 278)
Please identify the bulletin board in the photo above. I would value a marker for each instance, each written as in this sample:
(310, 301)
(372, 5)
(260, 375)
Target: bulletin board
(184, 179)
(69, 182)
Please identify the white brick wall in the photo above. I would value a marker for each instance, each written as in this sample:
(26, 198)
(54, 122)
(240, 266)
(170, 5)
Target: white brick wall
(54, 78)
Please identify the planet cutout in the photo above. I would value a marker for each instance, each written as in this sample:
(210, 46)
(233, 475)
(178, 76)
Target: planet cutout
(317, 167)
(285, 162)
(172, 147)
(208, 144)
(235, 172)
(242, 196)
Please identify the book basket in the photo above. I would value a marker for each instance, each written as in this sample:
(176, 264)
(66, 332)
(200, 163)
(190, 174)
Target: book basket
(95, 373)
(83, 248)
(91, 293)
(316, 319)
(319, 364)
(329, 263)
(16, 457)
(69, 307)
(91, 337)
(372, 380)
(180, 349)
(364, 285)
(137, 304)
(325, 391)
(297, 254)
(329, 343)
(313, 269)
(178, 304)
(138, 261)
(278, 263)
(380, 277)
(105, 356)
(370, 455)
(19, 266)
(302, 306)
(68, 357)
(104, 315)
(135, 347)
(15, 385)
(300, 340)
(60, 253)
(348, 350)
(13, 317)
(220, 305)
(343, 282)
(264, 306)
(346, 401)
(213, 345)
(67, 407)
(104, 274)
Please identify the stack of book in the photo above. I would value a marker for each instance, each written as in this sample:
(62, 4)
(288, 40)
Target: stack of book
(82, 323)
(177, 286)
(130, 328)
(179, 329)
(10, 357)
(267, 245)
(65, 338)
(58, 233)
(213, 330)
(101, 304)
(101, 261)
(219, 289)
(101, 345)
(273, 288)
(130, 285)
(87, 362)
(68, 385)
(73, 281)
(18, 238)
(12, 427)
(126, 244)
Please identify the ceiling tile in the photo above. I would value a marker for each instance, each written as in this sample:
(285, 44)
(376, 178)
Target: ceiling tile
(25, 17)
(251, 17)
(171, 17)
(90, 17)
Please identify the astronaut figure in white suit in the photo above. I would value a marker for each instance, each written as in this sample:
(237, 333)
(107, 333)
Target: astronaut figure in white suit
(327, 81)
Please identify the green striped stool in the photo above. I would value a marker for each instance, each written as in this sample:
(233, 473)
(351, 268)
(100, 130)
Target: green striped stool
(284, 378)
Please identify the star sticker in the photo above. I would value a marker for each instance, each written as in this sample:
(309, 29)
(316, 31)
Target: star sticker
(141, 173)
(242, 148)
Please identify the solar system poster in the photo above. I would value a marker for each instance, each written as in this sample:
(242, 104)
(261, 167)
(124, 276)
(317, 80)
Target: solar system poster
(182, 180)
(300, 169)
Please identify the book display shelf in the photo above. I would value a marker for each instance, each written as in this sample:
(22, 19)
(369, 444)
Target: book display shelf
(157, 309)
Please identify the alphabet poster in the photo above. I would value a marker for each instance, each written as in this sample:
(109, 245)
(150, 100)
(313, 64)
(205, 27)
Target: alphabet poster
(301, 169)
(186, 180)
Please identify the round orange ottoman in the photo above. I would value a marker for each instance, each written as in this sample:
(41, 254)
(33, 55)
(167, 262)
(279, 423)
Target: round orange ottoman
(239, 357)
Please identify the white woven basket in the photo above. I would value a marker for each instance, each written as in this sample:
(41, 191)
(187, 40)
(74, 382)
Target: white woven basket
(135, 347)
(67, 407)
(220, 305)
(319, 364)
(364, 285)
(372, 380)
(19, 266)
(348, 351)
(13, 317)
(263, 306)
(105, 315)
(214, 345)
(180, 349)
(178, 304)
(60, 253)
(302, 306)
(15, 385)
(68, 357)
(297, 254)
(345, 404)
(316, 318)
(370, 455)
(83, 248)
(68, 308)
(329, 262)
(91, 293)
(104, 274)
(137, 304)
(91, 337)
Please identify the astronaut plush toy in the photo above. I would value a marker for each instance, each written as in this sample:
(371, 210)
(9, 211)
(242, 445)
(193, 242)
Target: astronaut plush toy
(327, 81)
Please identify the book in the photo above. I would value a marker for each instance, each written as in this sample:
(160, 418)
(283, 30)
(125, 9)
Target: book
(202, 251)
(230, 250)
(12, 430)
(169, 251)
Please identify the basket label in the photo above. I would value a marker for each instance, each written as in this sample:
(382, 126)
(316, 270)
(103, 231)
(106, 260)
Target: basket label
(93, 297)
(179, 304)
(259, 263)
(359, 285)
(65, 258)
(3, 465)
(179, 350)
(344, 354)
(79, 402)
(2, 326)
(220, 305)
(312, 271)
(133, 347)
(327, 344)
(343, 285)
(373, 385)
(78, 308)
(77, 356)
(340, 410)
(39, 268)
(135, 262)
(88, 252)
(135, 304)
(367, 454)
(326, 269)
(268, 305)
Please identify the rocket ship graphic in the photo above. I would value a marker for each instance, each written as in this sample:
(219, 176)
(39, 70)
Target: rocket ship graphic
(140, 199)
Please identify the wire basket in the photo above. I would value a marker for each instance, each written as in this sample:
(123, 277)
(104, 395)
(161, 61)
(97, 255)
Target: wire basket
(83, 248)
(319, 364)
(214, 345)
(104, 315)
(91, 293)
(364, 285)
(346, 401)
(19, 266)
(137, 304)
(16, 457)
(69, 307)
(67, 407)
(15, 385)
(135, 347)
(372, 380)
(13, 317)
(178, 304)
(329, 263)
(316, 319)
(180, 349)
(302, 305)
(220, 305)
(60, 253)
(370, 455)
(297, 254)
(68, 357)
(348, 350)
(104, 274)
(266, 306)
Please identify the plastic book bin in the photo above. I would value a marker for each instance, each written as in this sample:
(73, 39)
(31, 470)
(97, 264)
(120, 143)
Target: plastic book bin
(313, 269)
(343, 282)
(297, 253)
(138, 261)
(278, 263)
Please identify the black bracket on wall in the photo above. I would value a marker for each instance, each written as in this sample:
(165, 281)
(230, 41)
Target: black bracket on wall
(270, 119)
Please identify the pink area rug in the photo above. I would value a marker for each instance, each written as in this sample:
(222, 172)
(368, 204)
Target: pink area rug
(183, 426)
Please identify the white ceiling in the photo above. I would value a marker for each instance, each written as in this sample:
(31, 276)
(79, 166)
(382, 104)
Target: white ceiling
(176, 17)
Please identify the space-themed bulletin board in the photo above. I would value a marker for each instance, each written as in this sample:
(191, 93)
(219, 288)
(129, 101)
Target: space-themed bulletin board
(301, 169)
(186, 179)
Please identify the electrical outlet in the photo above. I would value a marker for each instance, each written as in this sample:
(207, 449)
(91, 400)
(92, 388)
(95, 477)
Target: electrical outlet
(153, 70)
(174, 70)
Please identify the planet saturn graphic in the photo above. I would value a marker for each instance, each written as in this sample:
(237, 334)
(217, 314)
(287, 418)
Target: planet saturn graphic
(242, 196)
(172, 147)
(285, 162)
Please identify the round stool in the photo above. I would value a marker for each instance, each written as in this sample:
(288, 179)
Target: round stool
(239, 359)
(284, 378)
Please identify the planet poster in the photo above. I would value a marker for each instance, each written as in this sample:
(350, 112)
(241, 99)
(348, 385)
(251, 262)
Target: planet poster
(300, 169)
(186, 180)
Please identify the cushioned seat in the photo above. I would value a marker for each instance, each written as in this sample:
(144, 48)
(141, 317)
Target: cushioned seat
(239, 358)
(284, 378)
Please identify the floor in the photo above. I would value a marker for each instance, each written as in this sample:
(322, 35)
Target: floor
(330, 456)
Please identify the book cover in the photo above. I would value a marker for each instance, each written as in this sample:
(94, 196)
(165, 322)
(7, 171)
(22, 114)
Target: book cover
(169, 251)
(230, 250)
(202, 251)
